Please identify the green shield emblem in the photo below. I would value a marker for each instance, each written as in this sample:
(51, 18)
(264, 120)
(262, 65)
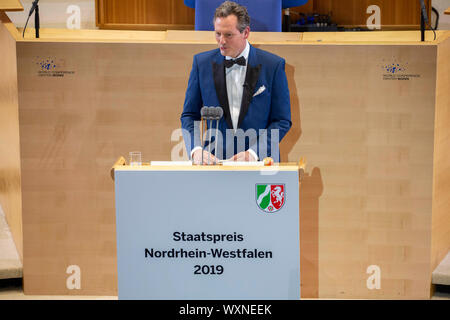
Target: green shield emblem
(270, 197)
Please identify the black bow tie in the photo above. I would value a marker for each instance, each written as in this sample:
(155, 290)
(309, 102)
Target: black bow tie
(240, 61)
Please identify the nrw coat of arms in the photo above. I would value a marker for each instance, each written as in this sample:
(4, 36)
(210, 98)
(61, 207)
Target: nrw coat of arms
(270, 197)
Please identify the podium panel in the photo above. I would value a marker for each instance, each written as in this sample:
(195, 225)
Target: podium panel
(202, 233)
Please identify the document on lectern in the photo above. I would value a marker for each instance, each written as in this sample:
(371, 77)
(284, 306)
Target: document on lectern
(171, 163)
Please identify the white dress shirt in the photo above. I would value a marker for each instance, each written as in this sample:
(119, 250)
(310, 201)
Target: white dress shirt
(235, 79)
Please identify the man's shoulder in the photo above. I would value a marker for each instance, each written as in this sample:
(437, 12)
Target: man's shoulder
(267, 57)
(206, 55)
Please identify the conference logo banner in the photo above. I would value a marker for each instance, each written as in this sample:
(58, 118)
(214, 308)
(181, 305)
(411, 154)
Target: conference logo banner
(52, 67)
(270, 198)
(393, 69)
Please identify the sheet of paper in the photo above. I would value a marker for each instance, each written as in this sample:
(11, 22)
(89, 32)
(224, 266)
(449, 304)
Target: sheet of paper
(171, 163)
(242, 163)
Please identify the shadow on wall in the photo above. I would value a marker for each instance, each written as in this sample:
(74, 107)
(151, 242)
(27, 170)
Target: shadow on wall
(291, 138)
(311, 188)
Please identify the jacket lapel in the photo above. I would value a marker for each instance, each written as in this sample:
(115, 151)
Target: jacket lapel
(218, 68)
(251, 77)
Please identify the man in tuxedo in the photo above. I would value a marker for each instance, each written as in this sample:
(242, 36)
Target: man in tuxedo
(248, 83)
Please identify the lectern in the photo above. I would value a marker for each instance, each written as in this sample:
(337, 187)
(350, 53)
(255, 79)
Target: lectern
(208, 232)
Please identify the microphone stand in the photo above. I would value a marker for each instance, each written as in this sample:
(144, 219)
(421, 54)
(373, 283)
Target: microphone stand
(203, 116)
(36, 20)
(423, 19)
(209, 139)
(219, 113)
(201, 138)
(209, 114)
(34, 7)
(215, 138)
(422, 27)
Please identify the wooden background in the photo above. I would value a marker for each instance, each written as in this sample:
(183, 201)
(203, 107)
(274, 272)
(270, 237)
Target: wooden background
(395, 14)
(144, 15)
(10, 185)
(376, 189)
(173, 14)
(367, 198)
(11, 5)
(440, 241)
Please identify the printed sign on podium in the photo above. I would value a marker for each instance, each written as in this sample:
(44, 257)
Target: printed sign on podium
(208, 232)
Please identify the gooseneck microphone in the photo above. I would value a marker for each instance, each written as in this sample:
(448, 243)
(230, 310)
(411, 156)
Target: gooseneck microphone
(34, 7)
(219, 114)
(210, 117)
(424, 11)
(423, 19)
(37, 24)
(209, 114)
(203, 114)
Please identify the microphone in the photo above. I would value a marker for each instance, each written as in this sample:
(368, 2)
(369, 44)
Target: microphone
(424, 11)
(208, 131)
(203, 111)
(203, 115)
(423, 19)
(212, 116)
(34, 7)
(209, 114)
(219, 114)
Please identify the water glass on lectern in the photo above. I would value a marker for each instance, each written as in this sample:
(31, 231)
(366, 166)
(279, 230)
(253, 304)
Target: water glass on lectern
(135, 158)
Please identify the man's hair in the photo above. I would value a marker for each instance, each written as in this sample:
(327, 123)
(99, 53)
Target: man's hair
(228, 8)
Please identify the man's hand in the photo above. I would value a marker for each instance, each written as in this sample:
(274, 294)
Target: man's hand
(197, 157)
(243, 156)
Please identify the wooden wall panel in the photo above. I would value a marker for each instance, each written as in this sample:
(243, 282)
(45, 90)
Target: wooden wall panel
(376, 177)
(395, 14)
(11, 5)
(173, 14)
(144, 14)
(366, 198)
(440, 243)
(10, 172)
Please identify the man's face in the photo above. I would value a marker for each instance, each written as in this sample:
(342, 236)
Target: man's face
(231, 42)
